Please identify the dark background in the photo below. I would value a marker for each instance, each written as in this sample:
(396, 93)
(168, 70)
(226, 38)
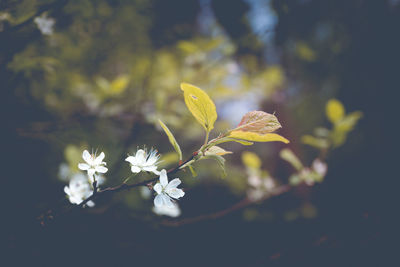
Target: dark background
(353, 201)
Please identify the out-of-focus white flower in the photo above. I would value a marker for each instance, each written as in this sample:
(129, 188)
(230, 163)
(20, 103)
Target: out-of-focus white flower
(145, 192)
(269, 183)
(64, 172)
(172, 211)
(255, 194)
(166, 191)
(254, 180)
(78, 190)
(143, 161)
(93, 164)
(319, 167)
(307, 176)
(260, 186)
(45, 24)
(100, 179)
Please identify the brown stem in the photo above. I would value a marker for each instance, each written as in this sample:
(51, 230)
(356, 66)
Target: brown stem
(239, 205)
(125, 186)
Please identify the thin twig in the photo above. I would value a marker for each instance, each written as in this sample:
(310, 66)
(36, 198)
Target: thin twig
(239, 205)
(125, 186)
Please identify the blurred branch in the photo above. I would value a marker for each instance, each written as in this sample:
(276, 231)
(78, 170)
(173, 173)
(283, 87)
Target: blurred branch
(239, 205)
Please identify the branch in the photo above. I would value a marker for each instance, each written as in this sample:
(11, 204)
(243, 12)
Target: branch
(125, 186)
(49, 214)
(239, 205)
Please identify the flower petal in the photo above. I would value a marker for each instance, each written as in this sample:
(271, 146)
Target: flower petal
(91, 171)
(174, 183)
(158, 201)
(140, 157)
(153, 157)
(67, 190)
(158, 188)
(163, 178)
(83, 166)
(135, 169)
(87, 157)
(101, 169)
(131, 160)
(175, 193)
(90, 204)
(149, 168)
(156, 172)
(172, 211)
(167, 200)
(99, 159)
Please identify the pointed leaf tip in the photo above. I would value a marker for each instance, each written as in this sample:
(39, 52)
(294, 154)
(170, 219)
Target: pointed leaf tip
(259, 122)
(200, 105)
(256, 137)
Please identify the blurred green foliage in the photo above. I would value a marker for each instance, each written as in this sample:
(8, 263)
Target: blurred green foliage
(106, 80)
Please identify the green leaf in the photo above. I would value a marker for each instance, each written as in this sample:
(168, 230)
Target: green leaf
(256, 137)
(348, 122)
(334, 110)
(220, 160)
(216, 150)
(194, 174)
(172, 139)
(320, 143)
(200, 105)
(290, 157)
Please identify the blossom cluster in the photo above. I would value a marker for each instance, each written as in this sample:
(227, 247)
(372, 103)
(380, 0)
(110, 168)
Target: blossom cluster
(82, 186)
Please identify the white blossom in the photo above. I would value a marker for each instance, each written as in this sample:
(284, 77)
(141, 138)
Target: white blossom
(320, 167)
(45, 24)
(145, 192)
(93, 164)
(64, 172)
(78, 190)
(100, 179)
(165, 191)
(172, 211)
(143, 161)
(260, 186)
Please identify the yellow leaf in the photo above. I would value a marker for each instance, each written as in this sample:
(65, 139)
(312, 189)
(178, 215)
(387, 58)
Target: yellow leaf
(200, 105)
(119, 84)
(251, 160)
(290, 157)
(172, 139)
(227, 139)
(320, 143)
(255, 137)
(348, 122)
(216, 150)
(334, 110)
(305, 52)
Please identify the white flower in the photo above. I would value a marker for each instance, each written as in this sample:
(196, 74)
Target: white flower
(172, 211)
(45, 24)
(64, 172)
(145, 192)
(166, 191)
(144, 161)
(93, 164)
(100, 179)
(319, 167)
(78, 190)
